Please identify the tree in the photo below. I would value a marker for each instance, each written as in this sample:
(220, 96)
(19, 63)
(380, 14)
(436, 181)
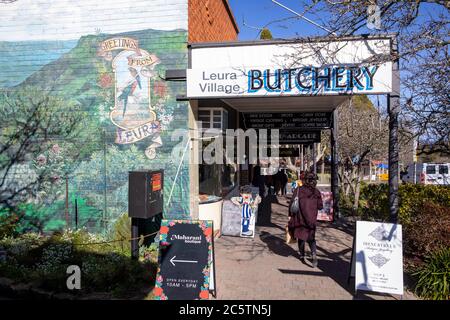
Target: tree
(40, 140)
(363, 135)
(423, 35)
(265, 34)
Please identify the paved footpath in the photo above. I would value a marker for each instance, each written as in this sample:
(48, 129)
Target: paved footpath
(265, 267)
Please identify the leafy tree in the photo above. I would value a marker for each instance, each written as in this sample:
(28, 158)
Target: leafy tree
(266, 34)
(363, 134)
(422, 29)
(41, 139)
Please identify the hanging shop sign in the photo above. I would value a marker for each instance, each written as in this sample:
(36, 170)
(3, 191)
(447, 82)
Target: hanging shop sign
(287, 120)
(303, 80)
(377, 259)
(293, 136)
(185, 260)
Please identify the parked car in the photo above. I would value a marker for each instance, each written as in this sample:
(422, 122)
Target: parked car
(428, 173)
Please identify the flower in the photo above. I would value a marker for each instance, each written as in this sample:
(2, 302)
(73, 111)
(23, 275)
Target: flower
(164, 230)
(159, 88)
(41, 160)
(56, 149)
(204, 294)
(208, 231)
(105, 81)
(157, 291)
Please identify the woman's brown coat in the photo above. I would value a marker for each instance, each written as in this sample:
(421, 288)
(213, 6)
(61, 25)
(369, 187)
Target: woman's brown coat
(304, 223)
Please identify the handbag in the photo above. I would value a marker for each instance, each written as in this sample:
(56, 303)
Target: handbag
(290, 235)
(294, 208)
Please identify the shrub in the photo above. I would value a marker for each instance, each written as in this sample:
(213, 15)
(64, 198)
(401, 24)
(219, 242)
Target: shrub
(375, 200)
(8, 223)
(434, 278)
(428, 231)
(43, 260)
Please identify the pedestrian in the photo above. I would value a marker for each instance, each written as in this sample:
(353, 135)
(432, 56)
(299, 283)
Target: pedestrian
(304, 221)
(258, 180)
(284, 180)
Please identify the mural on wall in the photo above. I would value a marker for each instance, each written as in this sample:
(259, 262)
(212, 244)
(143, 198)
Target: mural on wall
(133, 113)
(111, 70)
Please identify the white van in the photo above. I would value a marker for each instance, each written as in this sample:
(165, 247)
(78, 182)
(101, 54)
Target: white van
(428, 173)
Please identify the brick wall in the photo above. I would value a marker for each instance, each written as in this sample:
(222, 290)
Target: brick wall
(211, 21)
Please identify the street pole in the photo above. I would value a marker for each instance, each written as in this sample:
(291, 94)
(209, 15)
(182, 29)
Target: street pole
(335, 165)
(393, 103)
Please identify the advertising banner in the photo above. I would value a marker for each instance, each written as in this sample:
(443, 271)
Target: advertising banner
(185, 260)
(378, 256)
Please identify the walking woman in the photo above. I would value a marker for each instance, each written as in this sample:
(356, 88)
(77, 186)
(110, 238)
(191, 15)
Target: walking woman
(305, 221)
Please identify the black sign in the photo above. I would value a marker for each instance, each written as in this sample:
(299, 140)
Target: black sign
(294, 136)
(287, 152)
(185, 258)
(279, 120)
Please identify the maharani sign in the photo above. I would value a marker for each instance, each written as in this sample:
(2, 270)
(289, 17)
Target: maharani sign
(132, 112)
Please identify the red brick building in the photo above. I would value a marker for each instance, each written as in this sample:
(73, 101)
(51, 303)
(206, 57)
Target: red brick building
(211, 21)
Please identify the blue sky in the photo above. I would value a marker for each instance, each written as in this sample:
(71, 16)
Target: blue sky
(251, 14)
(258, 13)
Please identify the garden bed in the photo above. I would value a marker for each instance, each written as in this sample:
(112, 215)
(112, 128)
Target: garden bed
(35, 266)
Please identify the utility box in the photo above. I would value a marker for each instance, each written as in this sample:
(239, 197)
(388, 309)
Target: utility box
(145, 193)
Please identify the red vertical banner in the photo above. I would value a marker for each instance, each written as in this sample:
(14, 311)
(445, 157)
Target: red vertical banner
(326, 214)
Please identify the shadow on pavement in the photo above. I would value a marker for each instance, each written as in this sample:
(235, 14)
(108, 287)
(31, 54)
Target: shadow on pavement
(278, 245)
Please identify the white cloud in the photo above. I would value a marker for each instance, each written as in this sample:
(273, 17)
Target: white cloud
(69, 19)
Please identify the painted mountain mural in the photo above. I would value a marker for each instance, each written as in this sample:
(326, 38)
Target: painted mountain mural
(128, 114)
(18, 60)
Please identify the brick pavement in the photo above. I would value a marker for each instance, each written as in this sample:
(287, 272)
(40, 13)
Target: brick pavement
(265, 267)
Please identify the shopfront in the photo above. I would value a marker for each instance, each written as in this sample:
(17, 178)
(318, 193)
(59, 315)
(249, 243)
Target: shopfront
(291, 87)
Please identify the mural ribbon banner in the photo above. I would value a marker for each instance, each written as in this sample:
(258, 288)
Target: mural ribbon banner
(132, 113)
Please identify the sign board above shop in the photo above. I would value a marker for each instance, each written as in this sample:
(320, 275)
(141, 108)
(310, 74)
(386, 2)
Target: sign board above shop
(305, 80)
(290, 68)
(292, 137)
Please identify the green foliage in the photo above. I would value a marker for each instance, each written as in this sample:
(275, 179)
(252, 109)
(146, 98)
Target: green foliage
(43, 260)
(428, 231)
(120, 232)
(434, 276)
(266, 34)
(374, 199)
(8, 223)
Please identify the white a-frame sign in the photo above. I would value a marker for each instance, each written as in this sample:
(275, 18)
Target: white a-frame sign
(377, 260)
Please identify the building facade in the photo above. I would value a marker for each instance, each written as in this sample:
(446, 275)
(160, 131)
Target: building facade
(106, 62)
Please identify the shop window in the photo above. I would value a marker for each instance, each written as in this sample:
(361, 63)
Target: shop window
(215, 179)
(443, 169)
(213, 118)
(431, 170)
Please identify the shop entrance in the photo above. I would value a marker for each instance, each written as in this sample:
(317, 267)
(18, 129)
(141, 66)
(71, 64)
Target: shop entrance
(228, 80)
(300, 123)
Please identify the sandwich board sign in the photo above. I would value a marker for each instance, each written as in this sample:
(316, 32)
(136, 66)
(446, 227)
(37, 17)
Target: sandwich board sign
(377, 258)
(185, 260)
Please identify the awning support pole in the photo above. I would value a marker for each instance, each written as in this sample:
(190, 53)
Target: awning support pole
(393, 104)
(335, 165)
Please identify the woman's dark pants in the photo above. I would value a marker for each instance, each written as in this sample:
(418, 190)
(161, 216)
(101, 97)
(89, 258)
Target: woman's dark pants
(312, 247)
